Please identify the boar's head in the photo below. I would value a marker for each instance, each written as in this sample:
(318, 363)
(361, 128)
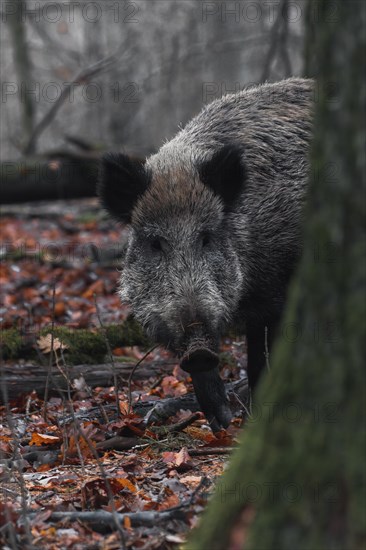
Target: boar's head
(182, 275)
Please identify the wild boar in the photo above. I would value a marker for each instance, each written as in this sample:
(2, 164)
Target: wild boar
(215, 219)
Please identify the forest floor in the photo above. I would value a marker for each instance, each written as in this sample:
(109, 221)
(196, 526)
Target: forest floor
(79, 466)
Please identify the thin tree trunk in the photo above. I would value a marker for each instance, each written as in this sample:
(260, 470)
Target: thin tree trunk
(23, 67)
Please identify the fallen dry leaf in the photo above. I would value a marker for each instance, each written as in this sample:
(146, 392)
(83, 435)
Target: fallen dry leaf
(126, 522)
(125, 483)
(179, 460)
(46, 344)
(43, 439)
(183, 457)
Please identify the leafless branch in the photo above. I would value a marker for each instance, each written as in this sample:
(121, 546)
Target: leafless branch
(45, 397)
(81, 78)
(51, 45)
(131, 376)
(79, 433)
(107, 519)
(115, 379)
(266, 349)
(114, 514)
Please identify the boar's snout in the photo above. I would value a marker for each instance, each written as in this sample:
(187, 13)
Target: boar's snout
(199, 360)
(202, 364)
(195, 341)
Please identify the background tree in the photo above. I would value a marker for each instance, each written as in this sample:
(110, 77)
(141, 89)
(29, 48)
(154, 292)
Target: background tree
(110, 76)
(23, 68)
(298, 478)
(162, 75)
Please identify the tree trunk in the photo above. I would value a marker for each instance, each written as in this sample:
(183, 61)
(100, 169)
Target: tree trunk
(23, 68)
(298, 478)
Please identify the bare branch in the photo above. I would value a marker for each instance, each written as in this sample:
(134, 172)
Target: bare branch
(105, 336)
(131, 376)
(81, 78)
(45, 397)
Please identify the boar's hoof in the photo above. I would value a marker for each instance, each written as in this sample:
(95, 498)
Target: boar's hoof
(211, 396)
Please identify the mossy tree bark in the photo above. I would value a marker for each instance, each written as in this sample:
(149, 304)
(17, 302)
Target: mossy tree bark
(298, 479)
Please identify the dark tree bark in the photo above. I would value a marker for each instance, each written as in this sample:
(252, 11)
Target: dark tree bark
(298, 478)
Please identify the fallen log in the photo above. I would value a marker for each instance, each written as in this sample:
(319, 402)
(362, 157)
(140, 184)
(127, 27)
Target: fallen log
(19, 379)
(101, 520)
(52, 176)
(60, 176)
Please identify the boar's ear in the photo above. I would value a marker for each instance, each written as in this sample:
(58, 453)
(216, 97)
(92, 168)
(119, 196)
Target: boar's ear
(122, 181)
(224, 173)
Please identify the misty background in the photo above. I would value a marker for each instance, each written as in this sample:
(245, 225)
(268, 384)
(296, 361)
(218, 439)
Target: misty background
(93, 76)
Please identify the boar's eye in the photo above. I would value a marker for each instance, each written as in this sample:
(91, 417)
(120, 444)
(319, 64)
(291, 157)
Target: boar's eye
(159, 245)
(156, 245)
(205, 239)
